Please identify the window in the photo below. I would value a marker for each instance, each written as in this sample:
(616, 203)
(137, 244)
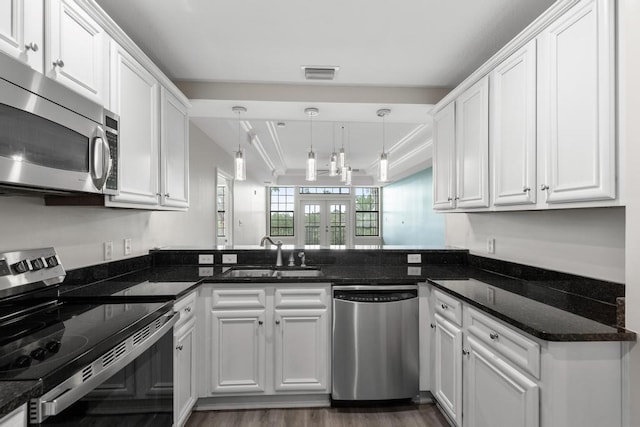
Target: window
(281, 211)
(367, 211)
(221, 211)
(325, 190)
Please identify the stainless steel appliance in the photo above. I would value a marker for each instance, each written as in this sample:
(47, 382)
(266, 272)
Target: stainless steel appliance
(92, 358)
(52, 139)
(375, 342)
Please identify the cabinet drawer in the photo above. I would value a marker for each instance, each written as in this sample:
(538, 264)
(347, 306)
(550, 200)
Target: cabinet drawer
(238, 298)
(448, 307)
(186, 306)
(515, 347)
(302, 298)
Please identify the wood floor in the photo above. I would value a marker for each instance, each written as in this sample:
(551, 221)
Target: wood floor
(426, 415)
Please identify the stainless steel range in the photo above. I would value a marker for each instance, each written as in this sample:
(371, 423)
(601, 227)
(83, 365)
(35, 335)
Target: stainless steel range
(73, 348)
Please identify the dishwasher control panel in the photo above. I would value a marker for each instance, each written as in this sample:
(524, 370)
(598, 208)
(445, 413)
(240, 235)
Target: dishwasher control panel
(374, 296)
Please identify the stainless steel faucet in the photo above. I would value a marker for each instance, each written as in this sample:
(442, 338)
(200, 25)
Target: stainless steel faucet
(278, 252)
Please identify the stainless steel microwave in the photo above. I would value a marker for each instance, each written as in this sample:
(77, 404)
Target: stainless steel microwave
(52, 139)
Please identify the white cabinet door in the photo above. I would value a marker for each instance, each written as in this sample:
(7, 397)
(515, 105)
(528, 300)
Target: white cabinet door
(184, 373)
(301, 340)
(576, 109)
(76, 50)
(472, 146)
(512, 128)
(17, 418)
(496, 394)
(134, 96)
(238, 351)
(444, 132)
(448, 368)
(22, 30)
(174, 151)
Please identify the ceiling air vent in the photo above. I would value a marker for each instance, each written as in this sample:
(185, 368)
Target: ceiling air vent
(320, 73)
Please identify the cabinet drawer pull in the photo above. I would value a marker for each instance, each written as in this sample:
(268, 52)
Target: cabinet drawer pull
(187, 310)
(31, 46)
(58, 63)
(277, 322)
(179, 347)
(526, 189)
(449, 199)
(544, 187)
(167, 195)
(465, 352)
(493, 336)
(432, 326)
(444, 306)
(260, 322)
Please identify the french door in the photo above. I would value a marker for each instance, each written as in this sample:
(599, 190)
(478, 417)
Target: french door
(324, 223)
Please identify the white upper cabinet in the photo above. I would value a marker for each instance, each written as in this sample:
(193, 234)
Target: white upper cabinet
(77, 50)
(134, 96)
(472, 146)
(576, 105)
(512, 128)
(22, 31)
(174, 151)
(444, 131)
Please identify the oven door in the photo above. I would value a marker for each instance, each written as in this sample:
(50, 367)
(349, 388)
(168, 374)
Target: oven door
(46, 146)
(135, 389)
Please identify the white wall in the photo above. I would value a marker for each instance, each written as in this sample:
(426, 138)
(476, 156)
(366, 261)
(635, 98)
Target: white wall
(250, 213)
(78, 233)
(629, 134)
(588, 242)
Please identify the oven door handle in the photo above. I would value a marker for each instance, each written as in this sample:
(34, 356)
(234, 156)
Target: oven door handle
(74, 388)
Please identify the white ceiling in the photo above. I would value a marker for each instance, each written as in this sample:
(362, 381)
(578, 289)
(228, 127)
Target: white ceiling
(250, 53)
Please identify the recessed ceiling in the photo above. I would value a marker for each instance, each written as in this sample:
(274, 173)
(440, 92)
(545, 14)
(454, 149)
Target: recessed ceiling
(252, 53)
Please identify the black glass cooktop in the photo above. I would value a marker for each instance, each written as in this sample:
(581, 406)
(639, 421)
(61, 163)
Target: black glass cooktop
(60, 339)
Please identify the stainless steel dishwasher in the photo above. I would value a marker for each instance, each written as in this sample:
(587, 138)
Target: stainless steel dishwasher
(375, 342)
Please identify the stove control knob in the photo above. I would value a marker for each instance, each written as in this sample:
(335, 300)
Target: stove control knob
(37, 264)
(53, 346)
(39, 353)
(22, 362)
(51, 261)
(20, 267)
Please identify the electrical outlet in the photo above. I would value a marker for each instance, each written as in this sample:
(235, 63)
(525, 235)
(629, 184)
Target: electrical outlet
(205, 259)
(108, 251)
(414, 258)
(229, 258)
(205, 271)
(491, 245)
(127, 246)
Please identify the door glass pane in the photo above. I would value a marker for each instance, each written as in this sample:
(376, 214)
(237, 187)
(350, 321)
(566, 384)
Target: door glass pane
(311, 224)
(337, 224)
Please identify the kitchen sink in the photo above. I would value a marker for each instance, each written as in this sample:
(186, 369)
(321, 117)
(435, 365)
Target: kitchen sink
(248, 272)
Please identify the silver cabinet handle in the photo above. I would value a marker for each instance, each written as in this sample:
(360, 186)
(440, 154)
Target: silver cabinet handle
(167, 195)
(31, 46)
(277, 322)
(432, 326)
(58, 63)
(465, 352)
(179, 347)
(544, 187)
(188, 309)
(260, 322)
(526, 189)
(444, 306)
(457, 198)
(493, 336)
(449, 199)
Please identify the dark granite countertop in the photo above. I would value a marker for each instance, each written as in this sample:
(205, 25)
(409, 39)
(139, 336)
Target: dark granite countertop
(15, 393)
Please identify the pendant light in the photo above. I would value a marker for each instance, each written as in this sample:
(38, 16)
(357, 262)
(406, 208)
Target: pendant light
(240, 166)
(312, 170)
(348, 172)
(333, 160)
(342, 160)
(383, 174)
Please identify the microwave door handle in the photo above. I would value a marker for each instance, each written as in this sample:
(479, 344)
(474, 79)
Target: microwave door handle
(101, 159)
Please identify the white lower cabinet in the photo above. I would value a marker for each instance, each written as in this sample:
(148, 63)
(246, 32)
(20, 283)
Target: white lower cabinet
(268, 340)
(489, 374)
(17, 418)
(184, 362)
(496, 394)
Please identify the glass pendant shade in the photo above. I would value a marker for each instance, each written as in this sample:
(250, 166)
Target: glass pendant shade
(343, 174)
(311, 167)
(342, 159)
(333, 164)
(384, 168)
(240, 167)
(348, 175)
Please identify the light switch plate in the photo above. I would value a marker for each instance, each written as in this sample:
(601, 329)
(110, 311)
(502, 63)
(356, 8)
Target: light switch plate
(205, 259)
(229, 258)
(414, 271)
(491, 245)
(205, 271)
(108, 251)
(127, 246)
(414, 258)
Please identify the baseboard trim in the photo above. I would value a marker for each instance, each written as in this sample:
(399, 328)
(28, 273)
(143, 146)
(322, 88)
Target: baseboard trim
(262, 402)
